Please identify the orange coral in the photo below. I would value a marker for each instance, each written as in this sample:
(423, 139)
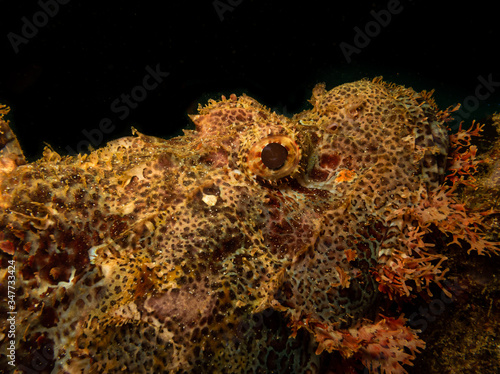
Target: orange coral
(385, 343)
(462, 159)
(384, 346)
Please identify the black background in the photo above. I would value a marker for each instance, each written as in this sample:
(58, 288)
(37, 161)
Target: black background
(64, 79)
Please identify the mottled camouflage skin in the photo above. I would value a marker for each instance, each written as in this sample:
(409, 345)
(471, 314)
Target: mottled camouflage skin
(190, 255)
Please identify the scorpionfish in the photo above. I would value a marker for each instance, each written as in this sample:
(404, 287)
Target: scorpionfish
(255, 243)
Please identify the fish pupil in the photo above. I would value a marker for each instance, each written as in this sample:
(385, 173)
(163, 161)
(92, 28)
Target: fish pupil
(274, 156)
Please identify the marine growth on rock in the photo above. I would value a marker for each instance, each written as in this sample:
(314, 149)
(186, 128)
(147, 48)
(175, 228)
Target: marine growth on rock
(256, 243)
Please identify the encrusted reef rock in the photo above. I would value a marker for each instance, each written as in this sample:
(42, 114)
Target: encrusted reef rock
(255, 244)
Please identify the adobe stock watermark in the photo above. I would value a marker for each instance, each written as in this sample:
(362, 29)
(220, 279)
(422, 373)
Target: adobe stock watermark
(39, 19)
(121, 106)
(11, 313)
(372, 29)
(40, 360)
(471, 103)
(223, 6)
(426, 314)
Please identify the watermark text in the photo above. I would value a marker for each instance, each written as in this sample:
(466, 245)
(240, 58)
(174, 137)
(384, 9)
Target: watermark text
(121, 106)
(11, 313)
(39, 19)
(223, 6)
(363, 36)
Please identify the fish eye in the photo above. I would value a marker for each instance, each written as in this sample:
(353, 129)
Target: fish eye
(274, 156)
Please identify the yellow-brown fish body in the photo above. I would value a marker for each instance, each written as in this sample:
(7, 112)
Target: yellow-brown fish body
(205, 252)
